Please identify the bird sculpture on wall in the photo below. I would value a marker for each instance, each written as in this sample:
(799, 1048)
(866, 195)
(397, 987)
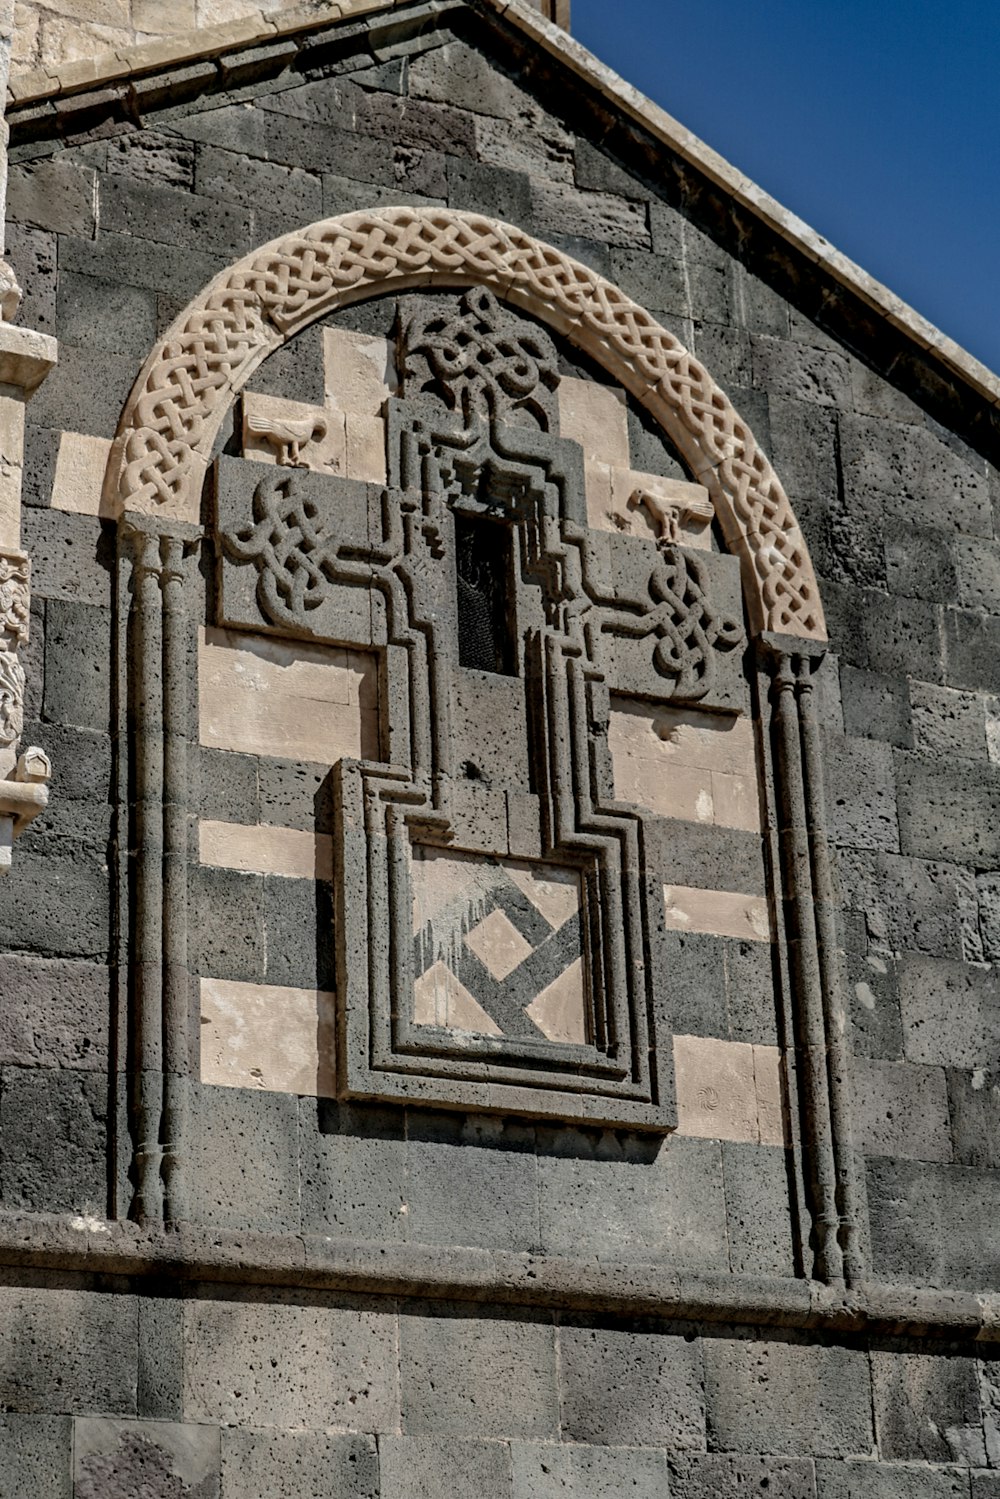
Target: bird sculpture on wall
(288, 435)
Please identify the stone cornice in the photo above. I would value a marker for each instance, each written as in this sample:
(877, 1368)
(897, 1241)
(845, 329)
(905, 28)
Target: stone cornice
(85, 1245)
(255, 29)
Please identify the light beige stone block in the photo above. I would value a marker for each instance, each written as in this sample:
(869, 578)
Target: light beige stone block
(262, 1036)
(498, 944)
(678, 762)
(295, 701)
(660, 509)
(11, 459)
(366, 457)
(555, 893)
(770, 1099)
(100, 12)
(439, 999)
(165, 17)
(716, 1092)
(721, 913)
(600, 501)
(265, 849)
(66, 41)
(559, 1011)
(24, 50)
(360, 371)
(736, 802)
(293, 435)
(78, 485)
(728, 1090)
(595, 416)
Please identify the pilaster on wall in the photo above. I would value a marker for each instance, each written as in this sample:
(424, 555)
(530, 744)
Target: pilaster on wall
(25, 360)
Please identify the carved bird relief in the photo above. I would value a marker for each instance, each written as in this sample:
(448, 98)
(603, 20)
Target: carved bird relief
(288, 436)
(668, 515)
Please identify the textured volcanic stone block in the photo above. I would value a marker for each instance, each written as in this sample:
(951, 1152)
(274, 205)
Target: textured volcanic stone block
(758, 1214)
(174, 269)
(229, 927)
(875, 1480)
(54, 1012)
(972, 650)
(468, 1370)
(171, 216)
(947, 723)
(106, 315)
(948, 810)
(54, 1139)
(77, 665)
(49, 1360)
(934, 1225)
(33, 257)
(427, 1467)
(876, 707)
(241, 179)
(303, 1361)
(471, 1181)
(700, 1475)
(950, 1012)
(37, 1456)
(71, 556)
(55, 194)
(787, 1397)
(58, 906)
(901, 1109)
(974, 1099)
(245, 1165)
(547, 1472)
(658, 1202)
(927, 1407)
(627, 1386)
(300, 1465)
(860, 822)
(85, 392)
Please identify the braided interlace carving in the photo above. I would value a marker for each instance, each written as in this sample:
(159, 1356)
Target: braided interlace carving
(177, 405)
(686, 628)
(294, 549)
(13, 633)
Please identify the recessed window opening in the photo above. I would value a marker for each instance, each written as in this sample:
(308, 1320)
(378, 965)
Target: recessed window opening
(483, 558)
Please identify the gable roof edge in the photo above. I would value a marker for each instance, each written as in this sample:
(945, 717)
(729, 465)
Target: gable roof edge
(257, 28)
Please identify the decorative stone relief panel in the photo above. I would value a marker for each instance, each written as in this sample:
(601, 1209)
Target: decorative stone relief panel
(497, 936)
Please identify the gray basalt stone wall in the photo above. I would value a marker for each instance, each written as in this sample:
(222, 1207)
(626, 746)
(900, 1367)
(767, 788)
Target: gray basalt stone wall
(115, 1383)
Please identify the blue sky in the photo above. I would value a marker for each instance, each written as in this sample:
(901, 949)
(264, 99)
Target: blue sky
(876, 121)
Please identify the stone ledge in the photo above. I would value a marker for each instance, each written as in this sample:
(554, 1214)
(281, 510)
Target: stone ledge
(26, 357)
(190, 1254)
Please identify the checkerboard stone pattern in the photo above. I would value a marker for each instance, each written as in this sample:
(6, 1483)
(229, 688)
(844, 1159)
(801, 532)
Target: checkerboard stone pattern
(497, 947)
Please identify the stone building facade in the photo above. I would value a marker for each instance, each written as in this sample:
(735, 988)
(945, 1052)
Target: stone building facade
(499, 779)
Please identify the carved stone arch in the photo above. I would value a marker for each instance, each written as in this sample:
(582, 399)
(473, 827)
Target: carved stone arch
(177, 405)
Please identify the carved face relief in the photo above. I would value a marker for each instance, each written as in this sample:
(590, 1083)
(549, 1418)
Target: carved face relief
(500, 918)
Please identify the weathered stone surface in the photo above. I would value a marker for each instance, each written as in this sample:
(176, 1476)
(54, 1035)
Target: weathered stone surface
(471, 1181)
(78, 668)
(353, 1170)
(948, 810)
(545, 1472)
(950, 1013)
(291, 1362)
(869, 823)
(299, 1465)
(55, 194)
(660, 1202)
(462, 1371)
(119, 1459)
(901, 1109)
(245, 1160)
(54, 1013)
(37, 1456)
(758, 1215)
(626, 1386)
(787, 1397)
(933, 1224)
(53, 1129)
(974, 1102)
(47, 1354)
(877, 1480)
(424, 1467)
(699, 1475)
(947, 723)
(927, 1407)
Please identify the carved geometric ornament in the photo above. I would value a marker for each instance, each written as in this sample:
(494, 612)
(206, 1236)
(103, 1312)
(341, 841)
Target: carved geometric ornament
(499, 945)
(175, 410)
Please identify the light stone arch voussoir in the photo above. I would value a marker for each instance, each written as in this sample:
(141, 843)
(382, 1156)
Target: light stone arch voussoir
(173, 415)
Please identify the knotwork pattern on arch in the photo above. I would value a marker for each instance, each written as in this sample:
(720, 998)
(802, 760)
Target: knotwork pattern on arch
(177, 405)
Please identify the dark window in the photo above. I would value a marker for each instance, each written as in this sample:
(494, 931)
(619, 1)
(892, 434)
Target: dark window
(483, 564)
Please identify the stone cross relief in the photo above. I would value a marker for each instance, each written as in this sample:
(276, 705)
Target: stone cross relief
(496, 936)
